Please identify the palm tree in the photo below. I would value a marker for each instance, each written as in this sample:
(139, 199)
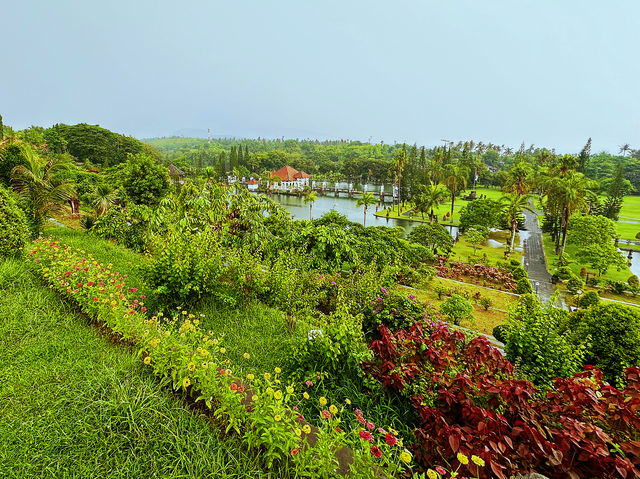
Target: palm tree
(105, 197)
(456, 180)
(366, 200)
(36, 182)
(513, 206)
(519, 179)
(310, 197)
(624, 149)
(566, 195)
(428, 198)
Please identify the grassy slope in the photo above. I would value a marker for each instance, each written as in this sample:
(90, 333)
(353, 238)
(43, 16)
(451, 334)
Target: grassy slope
(74, 405)
(463, 250)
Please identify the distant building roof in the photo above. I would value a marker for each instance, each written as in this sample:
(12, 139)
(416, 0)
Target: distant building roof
(288, 173)
(173, 171)
(253, 182)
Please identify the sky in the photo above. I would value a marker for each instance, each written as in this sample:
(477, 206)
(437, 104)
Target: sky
(547, 72)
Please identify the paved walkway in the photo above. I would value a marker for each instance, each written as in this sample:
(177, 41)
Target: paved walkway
(534, 258)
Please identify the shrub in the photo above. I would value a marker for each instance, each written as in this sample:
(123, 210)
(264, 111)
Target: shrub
(615, 337)
(583, 272)
(523, 286)
(563, 272)
(633, 281)
(486, 303)
(590, 298)
(519, 272)
(594, 281)
(500, 332)
(617, 287)
(539, 342)
(457, 308)
(574, 284)
(470, 401)
(14, 232)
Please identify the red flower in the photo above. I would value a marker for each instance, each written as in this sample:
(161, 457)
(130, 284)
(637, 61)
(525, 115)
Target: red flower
(370, 426)
(325, 414)
(295, 451)
(233, 387)
(376, 452)
(441, 470)
(222, 371)
(144, 309)
(90, 283)
(339, 429)
(391, 439)
(131, 312)
(365, 435)
(95, 299)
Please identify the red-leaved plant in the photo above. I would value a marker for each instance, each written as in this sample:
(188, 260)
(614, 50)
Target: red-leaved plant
(490, 274)
(470, 400)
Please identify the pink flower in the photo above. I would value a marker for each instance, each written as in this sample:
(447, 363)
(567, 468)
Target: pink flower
(376, 452)
(370, 426)
(441, 470)
(308, 383)
(365, 435)
(381, 431)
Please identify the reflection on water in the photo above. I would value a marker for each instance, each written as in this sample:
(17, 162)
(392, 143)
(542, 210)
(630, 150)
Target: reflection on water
(635, 262)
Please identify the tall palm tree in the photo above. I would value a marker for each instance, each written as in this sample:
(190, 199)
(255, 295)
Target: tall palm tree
(565, 196)
(519, 179)
(624, 149)
(105, 197)
(456, 180)
(36, 182)
(366, 200)
(429, 197)
(310, 197)
(512, 207)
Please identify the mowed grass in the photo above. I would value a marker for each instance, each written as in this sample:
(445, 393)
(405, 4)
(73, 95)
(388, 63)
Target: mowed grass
(74, 405)
(463, 250)
(552, 263)
(484, 321)
(630, 208)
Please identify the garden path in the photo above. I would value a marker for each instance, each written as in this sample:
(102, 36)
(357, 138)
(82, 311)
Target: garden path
(534, 258)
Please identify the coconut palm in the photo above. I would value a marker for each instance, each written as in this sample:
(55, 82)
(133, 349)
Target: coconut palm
(566, 195)
(105, 197)
(366, 200)
(36, 182)
(310, 197)
(512, 207)
(429, 197)
(624, 149)
(456, 180)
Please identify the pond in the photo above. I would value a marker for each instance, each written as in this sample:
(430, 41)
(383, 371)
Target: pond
(346, 206)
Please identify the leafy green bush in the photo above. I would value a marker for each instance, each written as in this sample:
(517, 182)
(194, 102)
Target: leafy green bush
(120, 226)
(575, 284)
(563, 272)
(615, 337)
(485, 302)
(523, 286)
(617, 287)
(394, 309)
(14, 232)
(590, 298)
(456, 308)
(633, 281)
(500, 332)
(538, 340)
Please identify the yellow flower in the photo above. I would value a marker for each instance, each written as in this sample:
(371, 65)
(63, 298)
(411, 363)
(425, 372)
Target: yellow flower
(277, 381)
(246, 355)
(205, 365)
(277, 417)
(191, 367)
(250, 377)
(267, 376)
(223, 350)
(186, 382)
(333, 409)
(269, 391)
(298, 431)
(147, 360)
(477, 460)
(305, 395)
(348, 401)
(462, 458)
(277, 395)
(323, 401)
(306, 429)
(431, 474)
(154, 342)
(254, 398)
(290, 389)
(405, 457)
(278, 370)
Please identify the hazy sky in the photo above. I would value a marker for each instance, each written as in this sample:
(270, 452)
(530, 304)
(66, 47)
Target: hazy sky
(546, 72)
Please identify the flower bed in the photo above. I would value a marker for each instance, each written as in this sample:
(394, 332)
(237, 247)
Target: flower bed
(259, 407)
(479, 272)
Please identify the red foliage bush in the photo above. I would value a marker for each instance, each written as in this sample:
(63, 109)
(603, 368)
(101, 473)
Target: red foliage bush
(469, 400)
(490, 274)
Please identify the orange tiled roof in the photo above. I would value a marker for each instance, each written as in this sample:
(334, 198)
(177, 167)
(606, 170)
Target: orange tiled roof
(288, 173)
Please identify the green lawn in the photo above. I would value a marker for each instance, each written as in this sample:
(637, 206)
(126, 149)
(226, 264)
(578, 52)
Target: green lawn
(549, 250)
(630, 208)
(463, 250)
(627, 231)
(75, 405)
